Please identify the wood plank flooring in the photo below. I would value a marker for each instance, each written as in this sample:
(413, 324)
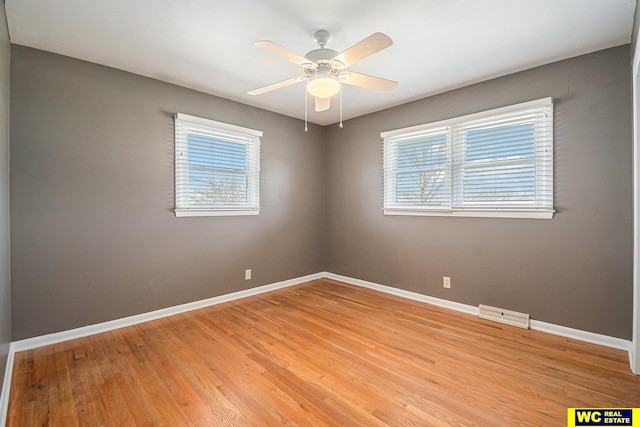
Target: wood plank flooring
(316, 354)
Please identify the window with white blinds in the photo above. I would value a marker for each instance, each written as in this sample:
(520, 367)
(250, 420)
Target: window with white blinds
(495, 163)
(217, 168)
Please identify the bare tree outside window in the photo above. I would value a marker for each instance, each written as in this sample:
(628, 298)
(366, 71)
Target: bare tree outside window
(496, 163)
(421, 171)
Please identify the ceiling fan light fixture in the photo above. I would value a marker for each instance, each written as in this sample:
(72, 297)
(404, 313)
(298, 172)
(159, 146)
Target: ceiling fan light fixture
(323, 86)
(322, 104)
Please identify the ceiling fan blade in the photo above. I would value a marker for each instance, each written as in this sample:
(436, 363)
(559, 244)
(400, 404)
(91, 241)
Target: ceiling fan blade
(368, 82)
(275, 86)
(283, 52)
(372, 44)
(323, 104)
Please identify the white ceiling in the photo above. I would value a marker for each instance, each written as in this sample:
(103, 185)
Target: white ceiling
(207, 45)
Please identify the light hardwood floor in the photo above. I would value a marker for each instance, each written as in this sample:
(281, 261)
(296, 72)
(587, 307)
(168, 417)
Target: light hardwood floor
(320, 353)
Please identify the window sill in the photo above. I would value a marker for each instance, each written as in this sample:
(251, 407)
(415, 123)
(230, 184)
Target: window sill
(215, 212)
(478, 213)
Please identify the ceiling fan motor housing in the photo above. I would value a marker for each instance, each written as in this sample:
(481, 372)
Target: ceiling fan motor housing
(321, 55)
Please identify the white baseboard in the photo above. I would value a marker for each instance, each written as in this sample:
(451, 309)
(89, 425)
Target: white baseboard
(550, 328)
(58, 337)
(35, 342)
(6, 386)
(405, 294)
(40, 341)
(579, 335)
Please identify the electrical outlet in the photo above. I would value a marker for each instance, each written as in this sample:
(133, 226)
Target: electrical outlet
(247, 274)
(446, 282)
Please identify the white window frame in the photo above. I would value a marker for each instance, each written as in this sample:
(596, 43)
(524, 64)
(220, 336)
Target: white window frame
(455, 207)
(186, 124)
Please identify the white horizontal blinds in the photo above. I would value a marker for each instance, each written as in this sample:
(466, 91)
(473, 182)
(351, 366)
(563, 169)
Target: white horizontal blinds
(416, 170)
(493, 163)
(504, 161)
(216, 167)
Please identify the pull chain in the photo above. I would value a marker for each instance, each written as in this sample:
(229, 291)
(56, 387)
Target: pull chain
(306, 129)
(341, 126)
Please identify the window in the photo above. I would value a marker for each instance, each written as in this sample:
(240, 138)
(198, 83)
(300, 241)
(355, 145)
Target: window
(497, 163)
(217, 168)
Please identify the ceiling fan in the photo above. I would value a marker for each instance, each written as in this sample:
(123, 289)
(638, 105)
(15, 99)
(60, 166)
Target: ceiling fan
(324, 69)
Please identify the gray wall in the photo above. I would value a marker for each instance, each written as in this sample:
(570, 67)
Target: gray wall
(574, 270)
(5, 273)
(94, 237)
(634, 31)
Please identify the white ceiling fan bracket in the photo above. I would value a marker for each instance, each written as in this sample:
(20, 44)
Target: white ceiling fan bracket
(309, 66)
(337, 65)
(344, 76)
